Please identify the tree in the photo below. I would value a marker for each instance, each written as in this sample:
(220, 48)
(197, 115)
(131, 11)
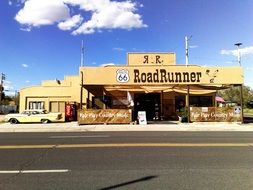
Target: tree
(233, 94)
(5, 100)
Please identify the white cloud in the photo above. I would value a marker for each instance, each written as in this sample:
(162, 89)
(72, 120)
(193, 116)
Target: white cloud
(9, 89)
(107, 64)
(46, 12)
(27, 81)
(193, 46)
(110, 15)
(118, 49)
(230, 62)
(19, 1)
(26, 29)
(105, 14)
(24, 65)
(250, 84)
(71, 22)
(10, 2)
(8, 85)
(243, 51)
(7, 82)
(249, 68)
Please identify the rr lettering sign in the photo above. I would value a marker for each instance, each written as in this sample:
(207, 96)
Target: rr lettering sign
(151, 59)
(147, 59)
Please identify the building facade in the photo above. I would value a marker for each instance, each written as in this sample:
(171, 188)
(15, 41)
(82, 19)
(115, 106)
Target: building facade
(51, 95)
(150, 82)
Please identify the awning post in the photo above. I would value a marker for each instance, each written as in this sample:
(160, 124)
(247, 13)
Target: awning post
(88, 100)
(161, 107)
(241, 99)
(188, 103)
(81, 91)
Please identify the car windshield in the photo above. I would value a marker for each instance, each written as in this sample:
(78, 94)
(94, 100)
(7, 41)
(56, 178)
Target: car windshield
(25, 112)
(43, 111)
(34, 112)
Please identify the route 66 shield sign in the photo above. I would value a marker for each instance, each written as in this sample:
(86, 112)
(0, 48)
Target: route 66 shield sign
(122, 76)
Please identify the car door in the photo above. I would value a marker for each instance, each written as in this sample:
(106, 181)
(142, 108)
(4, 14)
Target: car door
(34, 117)
(24, 117)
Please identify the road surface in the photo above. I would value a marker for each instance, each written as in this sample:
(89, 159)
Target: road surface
(126, 160)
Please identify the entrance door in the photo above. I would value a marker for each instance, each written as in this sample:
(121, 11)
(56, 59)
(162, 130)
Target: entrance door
(149, 103)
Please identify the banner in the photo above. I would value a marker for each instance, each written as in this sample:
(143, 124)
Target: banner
(101, 116)
(226, 114)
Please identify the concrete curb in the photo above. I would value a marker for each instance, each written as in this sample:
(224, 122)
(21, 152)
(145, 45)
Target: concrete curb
(74, 127)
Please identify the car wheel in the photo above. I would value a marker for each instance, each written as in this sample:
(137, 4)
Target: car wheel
(13, 121)
(44, 121)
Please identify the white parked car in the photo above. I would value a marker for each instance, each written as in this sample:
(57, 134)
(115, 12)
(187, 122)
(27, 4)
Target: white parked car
(33, 116)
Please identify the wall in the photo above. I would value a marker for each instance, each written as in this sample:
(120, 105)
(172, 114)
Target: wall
(67, 90)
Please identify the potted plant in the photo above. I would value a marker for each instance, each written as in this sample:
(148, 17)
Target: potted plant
(183, 115)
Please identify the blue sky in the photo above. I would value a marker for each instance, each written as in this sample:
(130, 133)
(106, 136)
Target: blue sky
(40, 40)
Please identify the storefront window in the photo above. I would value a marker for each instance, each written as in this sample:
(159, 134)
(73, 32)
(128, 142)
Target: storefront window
(195, 101)
(201, 101)
(57, 106)
(36, 105)
(100, 101)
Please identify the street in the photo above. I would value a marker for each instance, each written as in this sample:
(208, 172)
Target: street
(126, 160)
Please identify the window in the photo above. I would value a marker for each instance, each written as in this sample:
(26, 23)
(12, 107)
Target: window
(36, 105)
(98, 102)
(201, 101)
(195, 101)
(57, 106)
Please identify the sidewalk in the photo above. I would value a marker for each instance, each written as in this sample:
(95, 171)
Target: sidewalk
(74, 127)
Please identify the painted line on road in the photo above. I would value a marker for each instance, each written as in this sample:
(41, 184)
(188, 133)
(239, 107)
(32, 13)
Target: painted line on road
(111, 145)
(83, 136)
(32, 171)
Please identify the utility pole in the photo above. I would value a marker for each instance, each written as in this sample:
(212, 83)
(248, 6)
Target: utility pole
(238, 53)
(187, 103)
(2, 85)
(241, 86)
(187, 50)
(82, 55)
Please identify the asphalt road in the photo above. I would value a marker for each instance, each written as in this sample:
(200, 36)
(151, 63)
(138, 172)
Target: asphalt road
(127, 160)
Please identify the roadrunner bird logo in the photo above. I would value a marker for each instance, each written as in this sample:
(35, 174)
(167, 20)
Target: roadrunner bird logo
(212, 75)
(122, 76)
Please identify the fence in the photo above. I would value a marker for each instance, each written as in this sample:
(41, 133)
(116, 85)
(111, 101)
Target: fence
(7, 109)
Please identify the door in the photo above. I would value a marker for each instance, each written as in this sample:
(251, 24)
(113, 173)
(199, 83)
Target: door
(149, 103)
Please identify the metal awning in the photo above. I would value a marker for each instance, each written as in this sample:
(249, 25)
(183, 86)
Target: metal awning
(194, 89)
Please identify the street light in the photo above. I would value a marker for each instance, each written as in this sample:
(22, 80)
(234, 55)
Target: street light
(238, 53)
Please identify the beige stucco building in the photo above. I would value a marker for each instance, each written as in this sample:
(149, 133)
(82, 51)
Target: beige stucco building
(51, 95)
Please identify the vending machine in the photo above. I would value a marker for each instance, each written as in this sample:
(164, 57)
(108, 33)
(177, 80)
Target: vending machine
(70, 112)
